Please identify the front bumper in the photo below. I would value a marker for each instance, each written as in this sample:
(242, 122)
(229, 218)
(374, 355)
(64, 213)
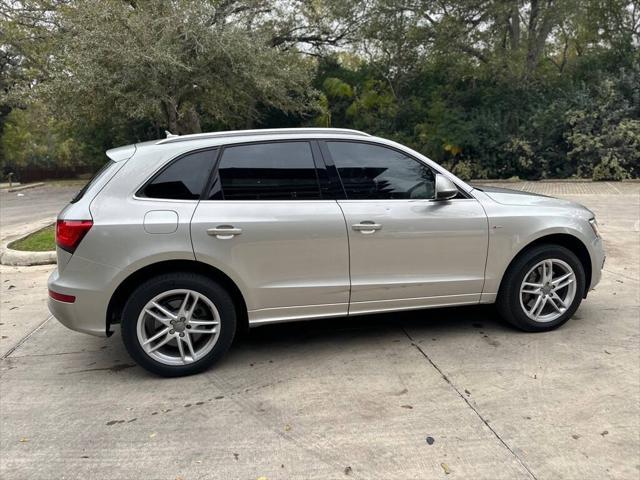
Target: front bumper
(597, 261)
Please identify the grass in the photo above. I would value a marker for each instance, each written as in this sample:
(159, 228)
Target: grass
(41, 241)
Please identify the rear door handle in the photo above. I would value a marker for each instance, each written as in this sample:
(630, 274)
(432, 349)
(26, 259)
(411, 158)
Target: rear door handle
(224, 232)
(366, 227)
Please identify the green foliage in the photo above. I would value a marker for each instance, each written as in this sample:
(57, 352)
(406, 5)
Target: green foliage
(374, 109)
(463, 170)
(32, 138)
(489, 89)
(336, 88)
(604, 133)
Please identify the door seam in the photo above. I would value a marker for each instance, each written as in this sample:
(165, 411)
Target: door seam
(486, 258)
(346, 228)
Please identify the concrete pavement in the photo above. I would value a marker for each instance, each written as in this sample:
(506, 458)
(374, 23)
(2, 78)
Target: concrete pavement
(34, 205)
(345, 398)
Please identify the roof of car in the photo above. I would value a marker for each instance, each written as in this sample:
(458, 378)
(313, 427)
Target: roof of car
(201, 140)
(260, 132)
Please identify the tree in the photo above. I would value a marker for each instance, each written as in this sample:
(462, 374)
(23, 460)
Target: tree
(174, 63)
(489, 88)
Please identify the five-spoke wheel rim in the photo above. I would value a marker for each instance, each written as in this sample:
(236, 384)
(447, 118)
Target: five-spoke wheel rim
(548, 290)
(178, 327)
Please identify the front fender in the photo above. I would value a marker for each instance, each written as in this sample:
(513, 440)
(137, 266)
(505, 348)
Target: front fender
(514, 228)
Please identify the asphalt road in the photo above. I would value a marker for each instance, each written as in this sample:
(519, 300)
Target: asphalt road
(33, 205)
(432, 394)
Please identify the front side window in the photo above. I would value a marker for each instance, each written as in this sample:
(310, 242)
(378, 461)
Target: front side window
(371, 172)
(184, 179)
(267, 171)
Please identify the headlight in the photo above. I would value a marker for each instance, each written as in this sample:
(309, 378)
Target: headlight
(594, 227)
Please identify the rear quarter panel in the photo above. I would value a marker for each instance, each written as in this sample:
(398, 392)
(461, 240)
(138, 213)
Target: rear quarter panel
(118, 237)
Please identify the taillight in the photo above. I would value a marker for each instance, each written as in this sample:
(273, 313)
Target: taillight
(69, 233)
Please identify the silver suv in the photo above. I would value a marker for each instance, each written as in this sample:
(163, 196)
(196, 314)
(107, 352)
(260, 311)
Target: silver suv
(185, 240)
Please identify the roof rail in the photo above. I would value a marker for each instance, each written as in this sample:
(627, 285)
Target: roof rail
(265, 131)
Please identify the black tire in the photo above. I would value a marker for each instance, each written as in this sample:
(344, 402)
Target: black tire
(508, 301)
(171, 281)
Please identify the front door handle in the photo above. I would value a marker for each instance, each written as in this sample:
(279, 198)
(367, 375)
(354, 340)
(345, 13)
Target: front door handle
(224, 232)
(366, 227)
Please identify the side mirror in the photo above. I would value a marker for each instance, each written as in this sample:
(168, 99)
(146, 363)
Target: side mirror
(445, 188)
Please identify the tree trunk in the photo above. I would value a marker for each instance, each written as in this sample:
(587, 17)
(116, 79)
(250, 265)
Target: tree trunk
(171, 115)
(189, 121)
(540, 26)
(514, 26)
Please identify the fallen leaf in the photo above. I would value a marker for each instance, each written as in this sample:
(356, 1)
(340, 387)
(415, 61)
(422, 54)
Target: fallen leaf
(606, 432)
(262, 478)
(406, 406)
(287, 427)
(347, 470)
(153, 435)
(430, 440)
(24, 440)
(446, 468)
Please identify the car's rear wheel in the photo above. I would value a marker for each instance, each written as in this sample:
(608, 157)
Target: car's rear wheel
(542, 288)
(178, 324)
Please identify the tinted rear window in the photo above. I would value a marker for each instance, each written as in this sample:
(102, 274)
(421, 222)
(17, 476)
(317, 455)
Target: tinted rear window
(92, 180)
(183, 179)
(267, 171)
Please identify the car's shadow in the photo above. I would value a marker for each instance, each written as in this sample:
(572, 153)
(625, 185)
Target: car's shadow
(318, 337)
(440, 320)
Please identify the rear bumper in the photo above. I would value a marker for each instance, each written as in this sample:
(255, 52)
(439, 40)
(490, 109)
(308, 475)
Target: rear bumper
(90, 284)
(68, 315)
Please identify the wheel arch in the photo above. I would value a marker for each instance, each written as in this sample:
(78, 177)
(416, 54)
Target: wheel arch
(121, 293)
(570, 242)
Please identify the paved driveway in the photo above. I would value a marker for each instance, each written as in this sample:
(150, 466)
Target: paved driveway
(33, 205)
(447, 393)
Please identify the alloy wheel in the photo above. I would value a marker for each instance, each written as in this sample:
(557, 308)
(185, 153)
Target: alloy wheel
(178, 327)
(548, 290)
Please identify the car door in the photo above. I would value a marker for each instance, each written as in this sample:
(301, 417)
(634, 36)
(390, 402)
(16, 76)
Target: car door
(265, 223)
(406, 249)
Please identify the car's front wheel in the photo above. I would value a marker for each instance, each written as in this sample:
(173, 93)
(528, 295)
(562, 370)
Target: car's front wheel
(542, 288)
(178, 324)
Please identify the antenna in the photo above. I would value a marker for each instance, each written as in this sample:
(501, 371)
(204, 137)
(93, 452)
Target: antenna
(169, 134)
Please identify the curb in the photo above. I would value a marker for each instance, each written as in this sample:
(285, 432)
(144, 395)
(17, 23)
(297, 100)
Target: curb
(24, 187)
(550, 180)
(19, 258)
